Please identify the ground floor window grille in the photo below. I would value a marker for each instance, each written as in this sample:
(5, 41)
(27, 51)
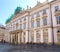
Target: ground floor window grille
(32, 37)
(45, 35)
(38, 36)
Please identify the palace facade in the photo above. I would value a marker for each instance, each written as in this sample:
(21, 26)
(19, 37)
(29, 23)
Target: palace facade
(2, 33)
(40, 24)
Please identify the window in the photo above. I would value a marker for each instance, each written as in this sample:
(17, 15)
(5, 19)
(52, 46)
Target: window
(24, 18)
(16, 21)
(32, 36)
(58, 19)
(44, 11)
(56, 8)
(38, 23)
(17, 26)
(20, 26)
(25, 26)
(45, 35)
(20, 20)
(32, 16)
(45, 21)
(38, 36)
(38, 14)
(32, 25)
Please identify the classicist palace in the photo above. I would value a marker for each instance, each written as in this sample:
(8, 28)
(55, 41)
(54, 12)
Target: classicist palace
(40, 24)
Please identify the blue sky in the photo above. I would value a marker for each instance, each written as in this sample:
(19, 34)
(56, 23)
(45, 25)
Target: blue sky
(7, 7)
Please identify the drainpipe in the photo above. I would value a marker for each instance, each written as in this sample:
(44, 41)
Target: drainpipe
(52, 24)
(28, 24)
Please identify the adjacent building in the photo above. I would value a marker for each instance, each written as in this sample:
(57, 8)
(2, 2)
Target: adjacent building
(40, 24)
(2, 33)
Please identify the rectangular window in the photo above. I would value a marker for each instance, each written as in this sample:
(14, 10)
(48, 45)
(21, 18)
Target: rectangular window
(24, 18)
(20, 20)
(20, 26)
(25, 26)
(38, 14)
(45, 21)
(44, 11)
(32, 16)
(32, 25)
(45, 35)
(38, 23)
(56, 8)
(58, 19)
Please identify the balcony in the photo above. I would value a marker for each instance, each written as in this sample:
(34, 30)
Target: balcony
(44, 15)
(37, 17)
(57, 13)
(32, 19)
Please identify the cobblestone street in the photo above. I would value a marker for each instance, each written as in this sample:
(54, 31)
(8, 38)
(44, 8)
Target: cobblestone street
(29, 48)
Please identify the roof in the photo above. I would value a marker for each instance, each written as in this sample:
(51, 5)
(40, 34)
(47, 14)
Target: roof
(2, 26)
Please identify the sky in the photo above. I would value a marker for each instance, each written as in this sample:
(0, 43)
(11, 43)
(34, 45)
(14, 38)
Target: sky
(7, 7)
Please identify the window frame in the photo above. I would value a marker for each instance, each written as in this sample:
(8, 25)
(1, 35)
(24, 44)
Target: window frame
(44, 11)
(32, 24)
(44, 21)
(56, 8)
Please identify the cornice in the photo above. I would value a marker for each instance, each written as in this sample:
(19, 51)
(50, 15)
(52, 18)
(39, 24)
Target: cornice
(53, 2)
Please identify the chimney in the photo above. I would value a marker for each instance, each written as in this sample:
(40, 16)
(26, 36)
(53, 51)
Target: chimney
(47, 0)
(30, 7)
(27, 6)
(38, 2)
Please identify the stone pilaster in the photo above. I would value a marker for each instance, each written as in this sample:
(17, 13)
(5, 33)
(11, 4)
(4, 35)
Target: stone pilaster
(18, 38)
(26, 36)
(50, 35)
(41, 35)
(22, 37)
(35, 36)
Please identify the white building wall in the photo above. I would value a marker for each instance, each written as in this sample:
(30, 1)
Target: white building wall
(55, 35)
(18, 38)
(50, 38)
(26, 36)
(35, 36)
(41, 35)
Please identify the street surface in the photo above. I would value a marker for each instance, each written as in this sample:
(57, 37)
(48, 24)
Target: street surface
(29, 48)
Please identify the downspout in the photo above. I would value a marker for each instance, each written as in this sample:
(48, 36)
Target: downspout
(28, 24)
(52, 24)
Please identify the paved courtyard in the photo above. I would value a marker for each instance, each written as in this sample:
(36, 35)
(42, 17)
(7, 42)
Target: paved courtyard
(29, 48)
